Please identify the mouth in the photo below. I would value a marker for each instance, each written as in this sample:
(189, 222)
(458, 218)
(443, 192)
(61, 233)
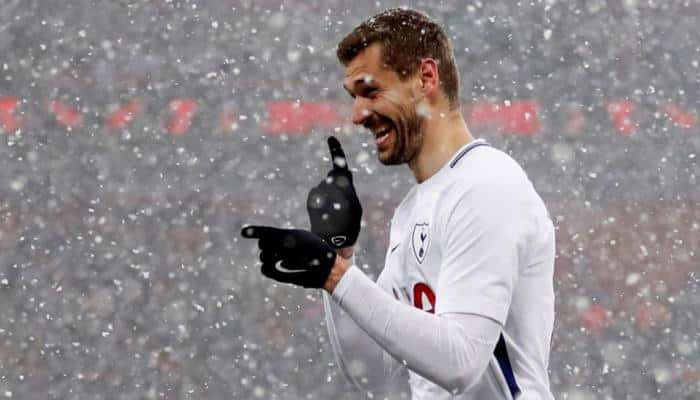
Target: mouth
(382, 134)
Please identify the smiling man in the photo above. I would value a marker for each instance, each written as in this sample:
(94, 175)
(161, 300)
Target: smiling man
(465, 300)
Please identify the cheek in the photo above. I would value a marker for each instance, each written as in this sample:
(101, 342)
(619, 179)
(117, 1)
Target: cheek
(391, 97)
(393, 106)
(405, 97)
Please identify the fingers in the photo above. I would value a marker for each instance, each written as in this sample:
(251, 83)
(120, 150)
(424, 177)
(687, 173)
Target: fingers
(284, 271)
(269, 257)
(316, 199)
(269, 270)
(271, 238)
(337, 154)
(261, 232)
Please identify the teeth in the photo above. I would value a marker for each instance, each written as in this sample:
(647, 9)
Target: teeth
(381, 132)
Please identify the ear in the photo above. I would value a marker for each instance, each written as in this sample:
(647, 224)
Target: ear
(429, 77)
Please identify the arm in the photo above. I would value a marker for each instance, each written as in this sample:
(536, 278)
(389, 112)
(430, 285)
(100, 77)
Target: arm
(478, 273)
(452, 350)
(362, 362)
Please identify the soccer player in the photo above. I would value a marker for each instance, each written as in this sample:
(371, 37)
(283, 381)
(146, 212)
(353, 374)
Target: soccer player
(465, 300)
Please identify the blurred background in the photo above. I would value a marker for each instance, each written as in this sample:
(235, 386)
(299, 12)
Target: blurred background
(138, 136)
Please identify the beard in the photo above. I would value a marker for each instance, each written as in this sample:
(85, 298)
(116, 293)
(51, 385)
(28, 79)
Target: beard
(408, 138)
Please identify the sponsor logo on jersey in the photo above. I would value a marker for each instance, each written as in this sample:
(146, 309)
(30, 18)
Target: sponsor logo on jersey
(421, 241)
(424, 297)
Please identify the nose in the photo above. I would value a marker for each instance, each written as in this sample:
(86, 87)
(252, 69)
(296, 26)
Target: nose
(360, 110)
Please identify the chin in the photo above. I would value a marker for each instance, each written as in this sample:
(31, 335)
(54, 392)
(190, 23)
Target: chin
(385, 154)
(388, 158)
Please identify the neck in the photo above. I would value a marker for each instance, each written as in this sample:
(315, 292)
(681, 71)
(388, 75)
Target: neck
(443, 134)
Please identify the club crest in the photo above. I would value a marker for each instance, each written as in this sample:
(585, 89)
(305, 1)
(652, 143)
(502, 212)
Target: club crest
(421, 241)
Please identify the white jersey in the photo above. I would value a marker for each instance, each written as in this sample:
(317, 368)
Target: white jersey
(476, 238)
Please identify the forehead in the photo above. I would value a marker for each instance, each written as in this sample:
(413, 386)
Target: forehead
(366, 67)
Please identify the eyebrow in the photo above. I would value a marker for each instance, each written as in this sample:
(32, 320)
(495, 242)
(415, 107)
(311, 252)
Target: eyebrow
(362, 82)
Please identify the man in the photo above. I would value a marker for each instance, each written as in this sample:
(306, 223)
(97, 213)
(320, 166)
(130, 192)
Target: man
(465, 300)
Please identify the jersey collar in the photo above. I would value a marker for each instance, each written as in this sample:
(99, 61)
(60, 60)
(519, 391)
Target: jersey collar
(464, 150)
(454, 160)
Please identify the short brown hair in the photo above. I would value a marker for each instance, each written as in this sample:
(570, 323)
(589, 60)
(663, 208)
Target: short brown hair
(406, 37)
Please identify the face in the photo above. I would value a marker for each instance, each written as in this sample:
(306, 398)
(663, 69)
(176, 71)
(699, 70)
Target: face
(385, 105)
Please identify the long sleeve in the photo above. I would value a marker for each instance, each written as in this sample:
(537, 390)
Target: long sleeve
(362, 362)
(452, 350)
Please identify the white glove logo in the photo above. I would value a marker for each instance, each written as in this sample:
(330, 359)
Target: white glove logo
(338, 240)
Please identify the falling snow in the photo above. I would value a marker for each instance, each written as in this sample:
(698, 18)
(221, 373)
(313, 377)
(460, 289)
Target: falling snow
(139, 136)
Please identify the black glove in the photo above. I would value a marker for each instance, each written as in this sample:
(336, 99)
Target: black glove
(292, 255)
(334, 209)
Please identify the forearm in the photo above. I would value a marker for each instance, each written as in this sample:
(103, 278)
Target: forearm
(363, 363)
(451, 351)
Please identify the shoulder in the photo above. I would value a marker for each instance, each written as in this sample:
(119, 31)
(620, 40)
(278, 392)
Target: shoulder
(486, 171)
(486, 162)
(487, 190)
